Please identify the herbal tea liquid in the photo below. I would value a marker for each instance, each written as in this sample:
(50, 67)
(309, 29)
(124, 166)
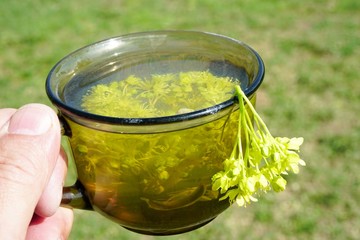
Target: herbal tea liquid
(161, 180)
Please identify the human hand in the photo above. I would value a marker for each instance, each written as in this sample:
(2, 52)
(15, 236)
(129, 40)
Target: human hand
(32, 172)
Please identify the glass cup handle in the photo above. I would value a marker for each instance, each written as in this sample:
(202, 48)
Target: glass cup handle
(74, 196)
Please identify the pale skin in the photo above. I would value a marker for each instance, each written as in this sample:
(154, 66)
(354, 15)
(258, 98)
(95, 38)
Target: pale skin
(32, 172)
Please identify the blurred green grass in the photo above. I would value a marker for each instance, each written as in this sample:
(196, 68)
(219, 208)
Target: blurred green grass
(311, 50)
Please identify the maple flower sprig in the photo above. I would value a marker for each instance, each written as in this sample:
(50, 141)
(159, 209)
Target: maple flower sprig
(258, 160)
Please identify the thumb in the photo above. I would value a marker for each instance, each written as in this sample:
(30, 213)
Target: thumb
(29, 148)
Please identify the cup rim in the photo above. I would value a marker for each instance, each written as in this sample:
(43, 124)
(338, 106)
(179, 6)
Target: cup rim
(71, 111)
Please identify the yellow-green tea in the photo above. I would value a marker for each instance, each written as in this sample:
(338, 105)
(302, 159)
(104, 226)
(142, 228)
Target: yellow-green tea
(162, 180)
(159, 181)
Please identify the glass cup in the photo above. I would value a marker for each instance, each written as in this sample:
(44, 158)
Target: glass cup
(151, 175)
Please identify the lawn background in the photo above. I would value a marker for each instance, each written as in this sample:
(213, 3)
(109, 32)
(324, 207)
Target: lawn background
(311, 50)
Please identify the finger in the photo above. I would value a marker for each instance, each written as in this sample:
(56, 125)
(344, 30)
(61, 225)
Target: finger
(29, 148)
(51, 196)
(58, 226)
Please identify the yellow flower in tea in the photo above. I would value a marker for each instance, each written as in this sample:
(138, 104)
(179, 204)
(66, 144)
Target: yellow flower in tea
(159, 95)
(258, 164)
